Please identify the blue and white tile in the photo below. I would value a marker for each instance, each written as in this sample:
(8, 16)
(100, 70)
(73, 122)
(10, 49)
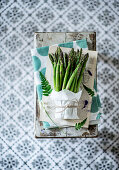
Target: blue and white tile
(107, 136)
(10, 160)
(24, 117)
(19, 19)
(57, 149)
(14, 14)
(11, 132)
(104, 162)
(12, 102)
(26, 148)
(41, 161)
(72, 161)
(90, 151)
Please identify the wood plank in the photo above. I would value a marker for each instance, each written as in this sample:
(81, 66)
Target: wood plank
(50, 38)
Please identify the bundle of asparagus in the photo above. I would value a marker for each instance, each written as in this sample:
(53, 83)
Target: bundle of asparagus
(68, 69)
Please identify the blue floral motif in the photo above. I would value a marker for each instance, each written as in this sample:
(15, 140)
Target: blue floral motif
(106, 76)
(9, 162)
(106, 47)
(72, 163)
(25, 148)
(115, 150)
(26, 88)
(91, 5)
(15, 45)
(14, 15)
(41, 162)
(26, 118)
(106, 17)
(105, 164)
(89, 150)
(45, 15)
(12, 73)
(115, 121)
(107, 105)
(57, 148)
(12, 103)
(10, 132)
(106, 136)
(75, 16)
(25, 59)
(28, 29)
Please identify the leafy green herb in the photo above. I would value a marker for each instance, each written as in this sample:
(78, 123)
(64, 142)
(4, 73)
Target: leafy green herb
(46, 87)
(79, 125)
(90, 92)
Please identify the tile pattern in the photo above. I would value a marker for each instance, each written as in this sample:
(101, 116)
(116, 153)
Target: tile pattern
(18, 147)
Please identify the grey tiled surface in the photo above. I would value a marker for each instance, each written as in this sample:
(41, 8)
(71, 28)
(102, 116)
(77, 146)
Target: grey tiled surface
(18, 147)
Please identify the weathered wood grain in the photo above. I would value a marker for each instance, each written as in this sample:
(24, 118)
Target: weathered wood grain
(50, 38)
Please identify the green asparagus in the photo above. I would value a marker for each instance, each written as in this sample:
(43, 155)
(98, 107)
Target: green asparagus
(68, 69)
(58, 76)
(51, 59)
(73, 76)
(61, 69)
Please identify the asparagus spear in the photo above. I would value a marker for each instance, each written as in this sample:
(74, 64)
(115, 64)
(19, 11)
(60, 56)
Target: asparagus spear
(58, 76)
(57, 54)
(75, 86)
(55, 58)
(79, 53)
(56, 51)
(73, 61)
(67, 73)
(65, 60)
(51, 59)
(78, 57)
(59, 51)
(66, 76)
(54, 75)
(72, 86)
(82, 71)
(73, 76)
(61, 59)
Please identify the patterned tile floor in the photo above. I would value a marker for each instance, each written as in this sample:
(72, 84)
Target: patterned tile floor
(18, 147)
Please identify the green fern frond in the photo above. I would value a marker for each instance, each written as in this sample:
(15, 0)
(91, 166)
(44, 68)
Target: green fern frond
(46, 87)
(90, 92)
(79, 125)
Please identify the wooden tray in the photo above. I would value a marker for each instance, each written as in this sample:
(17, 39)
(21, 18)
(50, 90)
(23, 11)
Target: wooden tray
(47, 39)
